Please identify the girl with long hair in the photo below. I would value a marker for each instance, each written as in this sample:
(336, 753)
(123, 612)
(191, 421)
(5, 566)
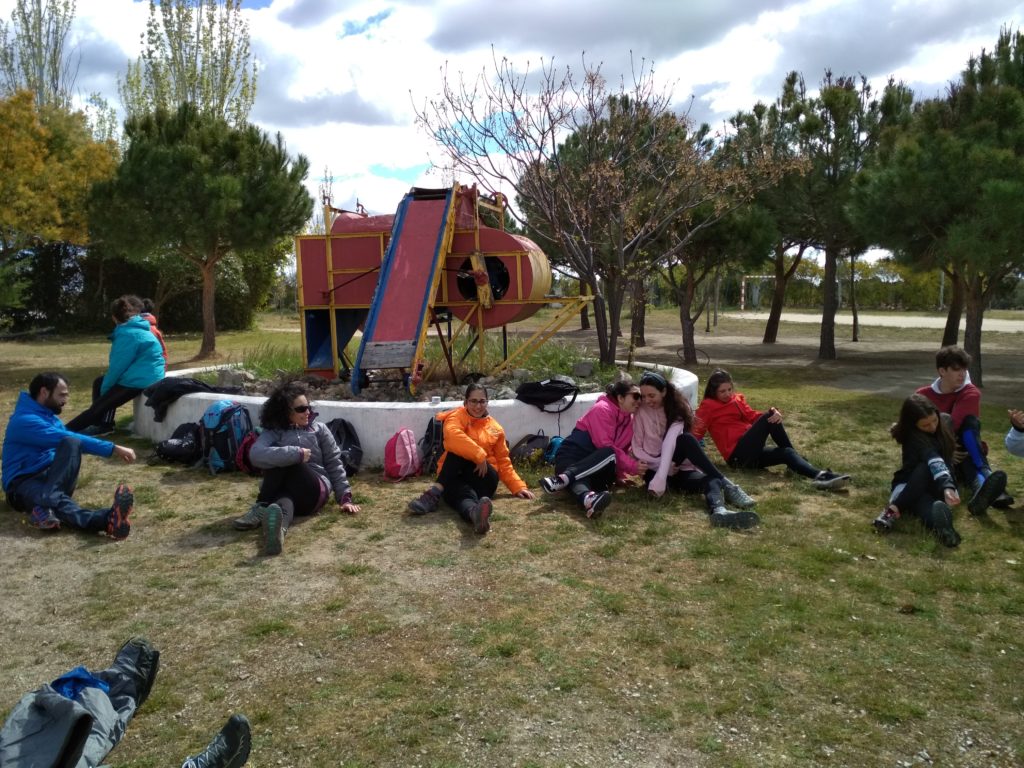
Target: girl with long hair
(475, 457)
(741, 434)
(675, 460)
(301, 465)
(596, 453)
(923, 485)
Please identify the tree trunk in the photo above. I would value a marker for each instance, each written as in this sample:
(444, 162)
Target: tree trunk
(827, 341)
(638, 314)
(585, 311)
(975, 302)
(604, 339)
(685, 295)
(771, 329)
(613, 305)
(209, 345)
(853, 297)
(951, 334)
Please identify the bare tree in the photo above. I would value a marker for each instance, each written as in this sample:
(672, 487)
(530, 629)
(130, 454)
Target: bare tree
(32, 52)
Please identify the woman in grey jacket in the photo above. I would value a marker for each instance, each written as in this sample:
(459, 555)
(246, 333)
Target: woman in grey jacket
(301, 465)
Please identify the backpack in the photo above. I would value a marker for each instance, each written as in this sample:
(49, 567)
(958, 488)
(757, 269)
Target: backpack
(432, 446)
(184, 445)
(242, 460)
(348, 443)
(401, 455)
(529, 447)
(224, 427)
(541, 393)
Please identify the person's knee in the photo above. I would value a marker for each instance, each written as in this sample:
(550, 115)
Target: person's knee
(970, 423)
(70, 443)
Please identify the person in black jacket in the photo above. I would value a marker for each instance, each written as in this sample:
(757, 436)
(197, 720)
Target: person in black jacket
(923, 485)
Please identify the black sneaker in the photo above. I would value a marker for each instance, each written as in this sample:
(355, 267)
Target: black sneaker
(118, 526)
(554, 484)
(139, 655)
(827, 480)
(481, 516)
(229, 748)
(596, 502)
(987, 492)
(425, 504)
(738, 521)
(942, 519)
(1003, 501)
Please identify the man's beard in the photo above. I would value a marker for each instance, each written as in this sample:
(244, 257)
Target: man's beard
(54, 406)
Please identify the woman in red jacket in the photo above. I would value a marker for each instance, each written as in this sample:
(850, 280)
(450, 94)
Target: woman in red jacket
(475, 457)
(596, 453)
(741, 434)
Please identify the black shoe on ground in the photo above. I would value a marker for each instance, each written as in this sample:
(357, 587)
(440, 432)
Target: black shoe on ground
(738, 521)
(596, 502)
(942, 519)
(827, 480)
(554, 484)
(118, 525)
(888, 516)
(987, 492)
(425, 503)
(229, 748)
(139, 655)
(1003, 501)
(481, 516)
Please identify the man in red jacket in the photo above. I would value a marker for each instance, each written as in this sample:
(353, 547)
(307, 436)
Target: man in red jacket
(953, 393)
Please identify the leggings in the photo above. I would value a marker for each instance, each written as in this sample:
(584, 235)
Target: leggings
(750, 451)
(104, 407)
(917, 495)
(463, 487)
(297, 489)
(586, 471)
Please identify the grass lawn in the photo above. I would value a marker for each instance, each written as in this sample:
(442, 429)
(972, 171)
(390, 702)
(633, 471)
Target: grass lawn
(645, 638)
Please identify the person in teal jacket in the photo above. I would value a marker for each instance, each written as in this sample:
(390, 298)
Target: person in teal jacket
(136, 362)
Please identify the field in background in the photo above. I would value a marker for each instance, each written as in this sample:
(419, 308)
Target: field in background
(643, 639)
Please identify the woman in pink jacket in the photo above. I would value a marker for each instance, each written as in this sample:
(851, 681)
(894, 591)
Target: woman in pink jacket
(596, 454)
(741, 434)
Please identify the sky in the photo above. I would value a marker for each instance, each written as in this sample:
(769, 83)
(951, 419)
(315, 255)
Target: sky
(339, 78)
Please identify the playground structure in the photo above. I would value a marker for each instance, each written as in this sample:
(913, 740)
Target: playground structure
(398, 275)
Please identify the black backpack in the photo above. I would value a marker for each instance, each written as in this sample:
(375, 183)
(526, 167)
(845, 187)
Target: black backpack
(432, 445)
(183, 446)
(348, 443)
(541, 393)
(530, 447)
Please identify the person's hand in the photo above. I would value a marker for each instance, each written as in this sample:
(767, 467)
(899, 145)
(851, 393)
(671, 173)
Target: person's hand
(774, 415)
(952, 497)
(306, 453)
(526, 493)
(349, 507)
(481, 469)
(959, 456)
(1017, 419)
(127, 455)
(641, 468)
(673, 468)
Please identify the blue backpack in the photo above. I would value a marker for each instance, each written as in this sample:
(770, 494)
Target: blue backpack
(224, 427)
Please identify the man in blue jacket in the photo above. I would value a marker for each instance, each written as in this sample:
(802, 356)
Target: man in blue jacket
(41, 459)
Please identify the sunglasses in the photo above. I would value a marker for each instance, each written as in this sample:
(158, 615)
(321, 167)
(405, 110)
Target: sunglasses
(635, 395)
(302, 408)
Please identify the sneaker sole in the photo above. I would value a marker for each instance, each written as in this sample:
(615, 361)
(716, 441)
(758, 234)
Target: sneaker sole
(118, 526)
(990, 490)
(272, 531)
(483, 516)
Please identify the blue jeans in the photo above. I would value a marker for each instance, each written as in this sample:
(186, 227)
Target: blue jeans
(52, 487)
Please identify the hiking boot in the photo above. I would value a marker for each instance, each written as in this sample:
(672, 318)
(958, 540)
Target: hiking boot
(118, 526)
(942, 525)
(273, 530)
(426, 503)
(554, 484)
(736, 496)
(827, 480)
(229, 748)
(139, 655)
(726, 518)
(594, 503)
(883, 523)
(1003, 501)
(986, 492)
(480, 514)
(43, 519)
(250, 520)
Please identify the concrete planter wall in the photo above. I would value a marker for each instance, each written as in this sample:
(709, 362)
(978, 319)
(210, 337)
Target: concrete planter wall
(376, 422)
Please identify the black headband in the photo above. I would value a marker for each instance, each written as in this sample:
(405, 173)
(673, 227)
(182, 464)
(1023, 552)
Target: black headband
(654, 379)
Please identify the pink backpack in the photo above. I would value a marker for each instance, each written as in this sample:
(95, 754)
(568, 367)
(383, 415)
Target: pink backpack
(402, 455)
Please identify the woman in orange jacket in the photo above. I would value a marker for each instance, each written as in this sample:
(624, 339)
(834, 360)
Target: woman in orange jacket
(474, 459)
(741, 434)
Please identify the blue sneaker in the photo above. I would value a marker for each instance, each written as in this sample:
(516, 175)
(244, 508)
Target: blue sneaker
(44, 519)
